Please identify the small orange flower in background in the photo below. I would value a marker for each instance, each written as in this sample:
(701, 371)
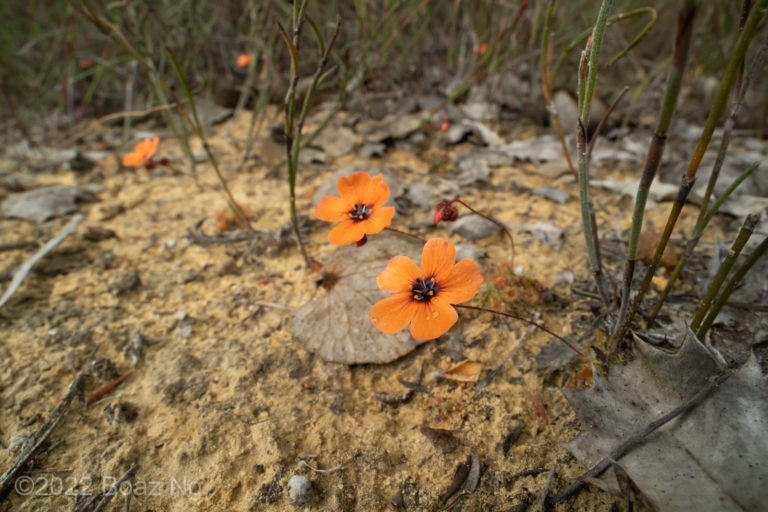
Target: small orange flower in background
(360, 208)
(243, 60)
(143, 152)
(423, 297)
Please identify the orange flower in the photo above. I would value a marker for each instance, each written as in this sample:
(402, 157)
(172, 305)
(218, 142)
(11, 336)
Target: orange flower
(143, 152)
(243, 60)
(423, 297)
(360, 209)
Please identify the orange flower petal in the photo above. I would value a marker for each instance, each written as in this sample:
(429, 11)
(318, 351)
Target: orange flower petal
(346, 233)
(399, 275)
(332, 209)
(377, 193)
(243, 60)
(354, 187)
(147, 147)
(378, 220)
(432, 319)
(133, 160)
(461, 282)
(437, 257)
(393, 314)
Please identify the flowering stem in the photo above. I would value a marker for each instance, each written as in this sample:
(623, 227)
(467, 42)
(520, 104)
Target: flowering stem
(526, 320)
(490, 219)
(405, 233)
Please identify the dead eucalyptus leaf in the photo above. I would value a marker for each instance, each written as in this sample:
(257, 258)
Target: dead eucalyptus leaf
(712, 458)
(464, 371)
(336, 324)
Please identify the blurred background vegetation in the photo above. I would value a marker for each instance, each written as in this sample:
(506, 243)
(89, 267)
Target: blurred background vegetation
(59, 68)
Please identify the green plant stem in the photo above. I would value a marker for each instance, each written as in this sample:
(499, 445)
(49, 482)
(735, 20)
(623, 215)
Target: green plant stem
(656, 148)
(725, 267)
(587, 78)
(705, 212)
(526, 320)
(741, 90)
(734, 283)
(742, 43)
(294, 125)
(578, 40)
(594, 58)
(197, 126)
(698, 231)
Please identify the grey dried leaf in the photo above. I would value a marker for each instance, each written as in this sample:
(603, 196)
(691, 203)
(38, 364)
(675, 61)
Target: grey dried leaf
(710, 459)
(336, 324)
(41, 204)
(474, 474)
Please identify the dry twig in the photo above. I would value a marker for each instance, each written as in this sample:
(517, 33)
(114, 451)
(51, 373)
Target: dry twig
(23, 270)
(39, 437)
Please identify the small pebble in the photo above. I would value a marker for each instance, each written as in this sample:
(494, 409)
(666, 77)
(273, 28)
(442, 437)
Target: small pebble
(397, 500)
(474, 227)
(300, 490)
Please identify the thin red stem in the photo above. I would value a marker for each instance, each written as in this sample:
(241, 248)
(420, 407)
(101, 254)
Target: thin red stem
(523, 319)
(501, 226)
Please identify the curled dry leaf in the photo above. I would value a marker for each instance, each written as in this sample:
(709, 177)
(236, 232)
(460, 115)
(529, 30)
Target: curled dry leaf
(711, 458)
(464, 371)
(335, 324)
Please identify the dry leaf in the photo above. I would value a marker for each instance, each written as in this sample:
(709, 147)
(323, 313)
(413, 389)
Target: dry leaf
(712, 458)
(336, 323)
(465, 371)
(646, 247)
(441, 438)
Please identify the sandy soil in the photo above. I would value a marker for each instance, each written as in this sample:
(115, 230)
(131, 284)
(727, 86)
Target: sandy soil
(224, 406)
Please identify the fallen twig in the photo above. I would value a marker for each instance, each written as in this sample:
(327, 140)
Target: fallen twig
(22, 244)
(106, 388)
(542, 504)
(111, 493)
(39, 437)
(636, 440)
(23, 270)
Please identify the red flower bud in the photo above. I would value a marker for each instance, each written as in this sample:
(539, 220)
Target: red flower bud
(362, 241)
(445, 211)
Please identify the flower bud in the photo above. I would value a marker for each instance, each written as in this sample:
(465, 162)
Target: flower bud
(445, 211)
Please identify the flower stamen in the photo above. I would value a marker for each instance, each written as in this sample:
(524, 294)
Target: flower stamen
(424, 289)
(360, 212)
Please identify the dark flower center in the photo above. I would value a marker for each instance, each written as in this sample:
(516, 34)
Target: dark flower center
(360, 212)
(424, 289)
